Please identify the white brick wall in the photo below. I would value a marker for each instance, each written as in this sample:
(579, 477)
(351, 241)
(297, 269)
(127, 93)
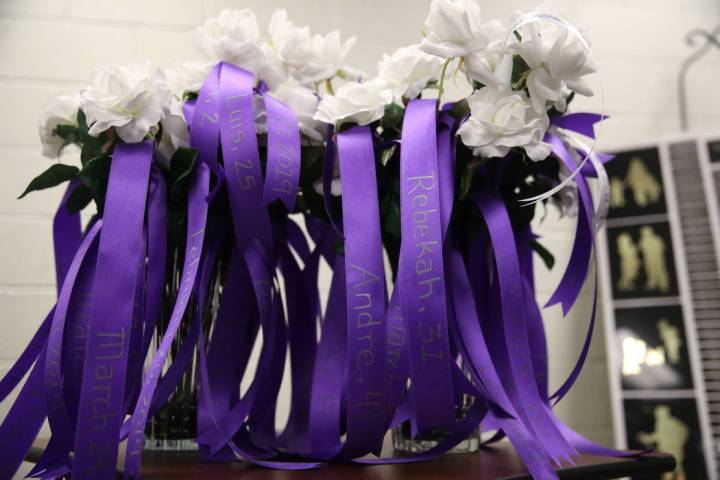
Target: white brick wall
(49, 46)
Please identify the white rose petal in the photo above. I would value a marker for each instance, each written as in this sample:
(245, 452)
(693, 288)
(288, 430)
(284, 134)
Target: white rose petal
(558, 60)
(304, 102)
(493, 64)
(362, 103)
(234, 37)
(326, 59)
(292, 44)
(273, 71)
(174, 132)
(408, 70)
(454, 29)
(62, 110)
(133, 99)
(501, 119)
(187, 77)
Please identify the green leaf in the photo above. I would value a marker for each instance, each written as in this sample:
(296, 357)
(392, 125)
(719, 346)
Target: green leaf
(53, 176)
(181, 166)
(547, 257)
(460, 109)
(340, 247)
(393, 117)
(311, 164)
(519, 71)
(95, 175)
(465, 183)
(91, 147)
(390, 210)
(387, 154)
(69, 133)
(79, 199)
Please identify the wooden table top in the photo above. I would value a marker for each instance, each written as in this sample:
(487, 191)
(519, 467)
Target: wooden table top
(498, 462)
(490, 463)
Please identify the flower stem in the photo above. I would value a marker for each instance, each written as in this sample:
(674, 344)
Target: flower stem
(441, 85)
(329, 87)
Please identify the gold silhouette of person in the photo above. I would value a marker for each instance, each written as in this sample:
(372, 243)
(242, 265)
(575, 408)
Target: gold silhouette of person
(629, 262)
(617, 193)
(670, 336)
(645, 187)
(670, 436)
(652, 247)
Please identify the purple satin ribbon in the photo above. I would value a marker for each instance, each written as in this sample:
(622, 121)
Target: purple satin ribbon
(101, 409)
(580, 122)
(283, 154)
(421, 271)
(365, 294)
(512, 324)
(20, 427)
(572, 281)
(330, 372)
(197, 218)
(66, 240)
(55, 396)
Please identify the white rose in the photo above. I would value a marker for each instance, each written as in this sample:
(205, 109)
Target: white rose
(362, 103)
(273, 72)
(133, 99)
(491, 65)
(304, 102)
(62, 110)
(175, 131)
(500, 119)
(454, 29)
(326, 59)
(187, 77)
(232, 36)
(557, 61)
(408, 70)
(292, 44)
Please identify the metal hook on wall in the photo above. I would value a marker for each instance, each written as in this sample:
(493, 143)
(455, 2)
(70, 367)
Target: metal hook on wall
(711, 38)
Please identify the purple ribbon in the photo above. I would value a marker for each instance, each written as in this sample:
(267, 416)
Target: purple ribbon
(283, 154)
(580, 122)
(365, 294)
(330, 372)
(197, 218)
(512, 324)
(101, 401)
(57, 410)
(421, 270)
(205, 116)
(571, 284)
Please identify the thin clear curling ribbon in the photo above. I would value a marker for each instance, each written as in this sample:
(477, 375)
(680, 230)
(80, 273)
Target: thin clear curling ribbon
(534, 17)
(603, 182)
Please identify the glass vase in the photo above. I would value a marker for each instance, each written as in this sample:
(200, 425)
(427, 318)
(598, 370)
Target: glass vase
(404, 443)
(174, 426)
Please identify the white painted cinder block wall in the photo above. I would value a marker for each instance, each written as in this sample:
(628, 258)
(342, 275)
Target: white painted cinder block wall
(48, 47)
